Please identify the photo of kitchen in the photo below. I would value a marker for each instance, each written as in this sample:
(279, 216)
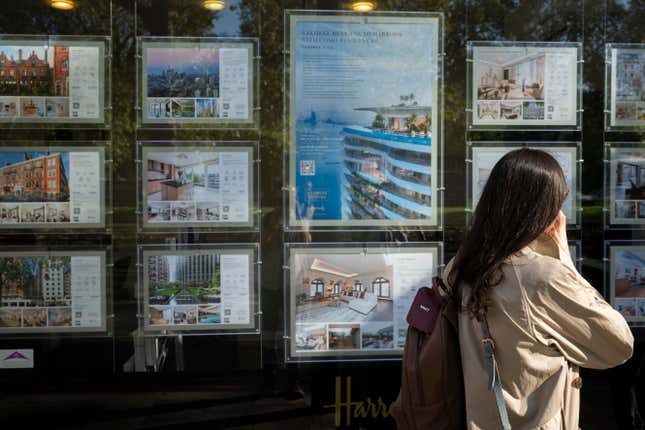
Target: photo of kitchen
(182, 178)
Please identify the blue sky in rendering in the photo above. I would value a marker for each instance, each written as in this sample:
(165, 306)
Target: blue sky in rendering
(389, 67)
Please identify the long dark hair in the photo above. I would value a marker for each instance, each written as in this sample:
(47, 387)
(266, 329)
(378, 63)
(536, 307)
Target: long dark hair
(521, 198)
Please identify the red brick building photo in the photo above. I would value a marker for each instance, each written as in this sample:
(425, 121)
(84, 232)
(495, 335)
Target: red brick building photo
(35, 180)
(34, 71)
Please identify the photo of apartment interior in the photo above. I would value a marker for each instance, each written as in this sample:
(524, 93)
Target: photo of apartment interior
(341, 287)
(160, 315)
(377, 335)
(185, 176)
(629, 275)
(344, 336)
(510, 76)
(311, 337)
(9, 213)
(630, 178)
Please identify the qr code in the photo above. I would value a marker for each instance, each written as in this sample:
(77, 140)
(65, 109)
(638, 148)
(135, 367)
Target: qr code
(307, 167)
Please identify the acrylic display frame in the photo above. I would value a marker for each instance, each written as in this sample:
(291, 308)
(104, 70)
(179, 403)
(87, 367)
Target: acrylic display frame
(253, 122)
(610, 246)
(251, 147)
(471, 90)
(433, 249)
(609, 208)
(104, 43)
(577, 258)
(610, 83)
(574, 223)
(255, 313)
(107, 309)
(104, 148)
(290, 222)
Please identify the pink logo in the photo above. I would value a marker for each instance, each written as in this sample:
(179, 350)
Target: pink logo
(15, 356)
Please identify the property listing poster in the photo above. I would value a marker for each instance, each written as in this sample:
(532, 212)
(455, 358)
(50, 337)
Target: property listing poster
(627, 185)
(205, 289)
(53, 187)
(627, 280)
(628, 86)
(524, 85)
(59, 81)
(197, 82)
(484, 159)
(347, 301)
(363, 120)
(52, 291)
(198, 186)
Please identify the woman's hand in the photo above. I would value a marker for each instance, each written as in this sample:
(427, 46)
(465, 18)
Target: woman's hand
(558, 232)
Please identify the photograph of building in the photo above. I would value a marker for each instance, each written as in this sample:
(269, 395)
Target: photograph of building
(184, 289)
(34, 177)
(182, 72)
(376, 335)
(34, 71)
(387, 166)
(628, 280)
(504, 74)
(35, 281)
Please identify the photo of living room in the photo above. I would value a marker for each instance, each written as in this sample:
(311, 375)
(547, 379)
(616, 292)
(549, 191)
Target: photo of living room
(628, 280)
(343, 288)
(627, 185)
(504, 74)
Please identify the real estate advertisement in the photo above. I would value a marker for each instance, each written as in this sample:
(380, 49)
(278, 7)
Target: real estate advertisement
(627, 281)
(197, 82)
(524, 85)
(53, 187)
(363, 120)
(628, 86)
(52, 291)
(484, 159)
(205, 289)
(198, 186)
(627, 185)
(347, 300)
(52, 81)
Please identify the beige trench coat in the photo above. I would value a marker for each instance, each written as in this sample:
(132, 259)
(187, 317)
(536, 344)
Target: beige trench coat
(546, 320)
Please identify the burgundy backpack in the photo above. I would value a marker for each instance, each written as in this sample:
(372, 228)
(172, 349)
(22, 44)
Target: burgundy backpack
(432, 383)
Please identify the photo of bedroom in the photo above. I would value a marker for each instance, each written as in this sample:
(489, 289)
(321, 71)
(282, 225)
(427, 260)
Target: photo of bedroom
(504, 74)
(343, 288)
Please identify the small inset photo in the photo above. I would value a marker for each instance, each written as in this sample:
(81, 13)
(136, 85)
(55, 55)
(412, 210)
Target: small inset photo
(533, 110)
(58, 212)
(488, 110)
(160, 315)
(511, 110)
(183, 211)
(32, 212)
(8, 107)
(311, 337)
(32, 107)
(377, 335)
(60, 317)
(210, 314)
(158, 212)
(208, 211)
(344, 336)
(9, 213)
(34, 317)
(158, 108)
(57, 107)
(185, 314)
(10, 317)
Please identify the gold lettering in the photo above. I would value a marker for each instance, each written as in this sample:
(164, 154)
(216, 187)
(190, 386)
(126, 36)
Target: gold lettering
(355, 409)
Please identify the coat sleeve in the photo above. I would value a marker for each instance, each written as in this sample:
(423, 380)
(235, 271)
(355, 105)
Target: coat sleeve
(568, 314)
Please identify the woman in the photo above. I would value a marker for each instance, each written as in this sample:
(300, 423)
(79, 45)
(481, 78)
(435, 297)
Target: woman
(514, 269)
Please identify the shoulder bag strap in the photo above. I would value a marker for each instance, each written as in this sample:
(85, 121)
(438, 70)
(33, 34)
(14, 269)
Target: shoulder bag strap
(494, 382)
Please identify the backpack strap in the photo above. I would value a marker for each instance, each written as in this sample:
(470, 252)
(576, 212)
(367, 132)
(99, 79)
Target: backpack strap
(494, 382)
